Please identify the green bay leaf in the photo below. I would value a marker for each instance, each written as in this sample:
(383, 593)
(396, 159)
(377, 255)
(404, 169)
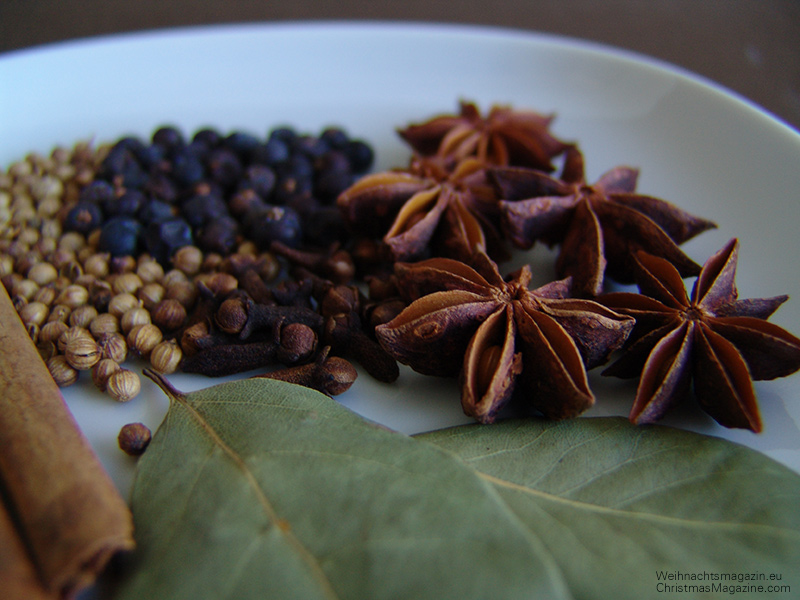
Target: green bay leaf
(623, 508)
(263, 489)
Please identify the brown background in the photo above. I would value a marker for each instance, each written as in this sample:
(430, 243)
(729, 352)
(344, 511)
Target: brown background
(749, 46)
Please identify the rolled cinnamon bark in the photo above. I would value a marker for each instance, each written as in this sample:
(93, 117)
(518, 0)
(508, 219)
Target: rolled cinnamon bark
(67, 512)
(17, 573)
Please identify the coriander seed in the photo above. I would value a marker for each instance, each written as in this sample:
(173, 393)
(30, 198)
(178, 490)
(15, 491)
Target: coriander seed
(82, 316)
(151, 294)
(133, 317)
(34, 313)
(188, 259)
(104, 323)
(123, 385)
(97, 265)
(42, 273)
(113, 346)
(71, 334)
(63, 374)
(122, 303)
(169, 314)
(82, 353)
(51, 331)
(73, 296)
(101, 372)
(166, 357)
(126, 283)
(143, 338)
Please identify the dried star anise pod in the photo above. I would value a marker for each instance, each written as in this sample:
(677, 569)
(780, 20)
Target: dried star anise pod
(600, 227)
(434, 203)
(503, 137)
(498, 335)
(712, 339)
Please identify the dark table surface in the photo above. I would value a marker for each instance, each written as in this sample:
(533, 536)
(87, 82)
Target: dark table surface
(749, 46)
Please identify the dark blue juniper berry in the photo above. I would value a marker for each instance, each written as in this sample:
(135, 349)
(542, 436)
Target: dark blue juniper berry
(163, 238)
(119, 236)
(84, 217)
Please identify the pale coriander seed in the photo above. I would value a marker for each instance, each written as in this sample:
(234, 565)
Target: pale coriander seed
(126, 283)
(60, 370)
(82, 316)
(51, 331)
(101, 372)
(42, 273)
(71, 334)
(188, 259)
(34, 313)
(122, 303)
(113, 346)
(104, 323)
(133, 317)
(150, 271)
(143, 338)
(123, 385)
(166, 357)
(73, 296)
(151, 294)
(82, 353)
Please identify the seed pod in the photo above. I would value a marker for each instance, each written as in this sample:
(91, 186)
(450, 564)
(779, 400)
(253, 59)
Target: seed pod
(63, 374)
(150, 271)
(97, 265)
(113, 346)
(174, 276)
(24, 288)
(82, 353)
(42, 273)
(188, 259)
(127, 283)
(143, 338)
(82, 316)
(151, 294)
(122, 303)
(133, 317)
(184, 292)
(51, 331)
(134, 438)
(59, 312)
(73, 333)
(166, 357)
(45, 295)
(123, 385)
(169, 314)
(102, 371)
(104, 323)
(73, 296)
(34, 313)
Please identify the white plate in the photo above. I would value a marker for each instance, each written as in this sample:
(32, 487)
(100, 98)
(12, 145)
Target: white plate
(697, 145)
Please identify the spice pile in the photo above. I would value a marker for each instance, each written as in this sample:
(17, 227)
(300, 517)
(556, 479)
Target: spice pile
(221, 254)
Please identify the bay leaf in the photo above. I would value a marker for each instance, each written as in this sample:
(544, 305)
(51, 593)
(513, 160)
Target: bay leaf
(264, 489)
(623, 508)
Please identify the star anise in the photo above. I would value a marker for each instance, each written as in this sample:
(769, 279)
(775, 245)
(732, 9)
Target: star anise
(435, 203)
(712, 339)
(499, 335)
(600, 227)
(503, 137)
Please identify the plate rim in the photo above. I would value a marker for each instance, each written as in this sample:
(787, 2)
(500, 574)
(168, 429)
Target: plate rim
(560, 41)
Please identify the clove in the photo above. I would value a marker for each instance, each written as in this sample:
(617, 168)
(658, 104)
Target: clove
(331, 375)
(333, 263)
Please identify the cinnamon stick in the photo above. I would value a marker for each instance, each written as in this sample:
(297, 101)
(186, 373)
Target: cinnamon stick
(63, 508)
